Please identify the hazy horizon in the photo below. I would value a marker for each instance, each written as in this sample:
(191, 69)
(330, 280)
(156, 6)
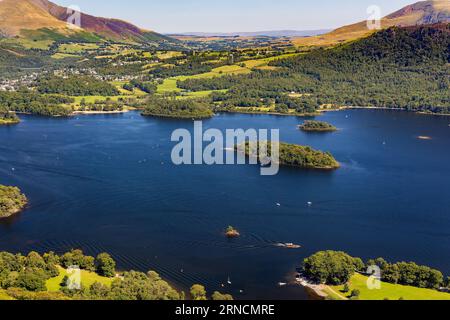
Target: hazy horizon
(177, 16)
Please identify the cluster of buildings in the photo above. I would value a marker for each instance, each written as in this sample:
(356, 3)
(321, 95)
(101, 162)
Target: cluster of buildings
(14, 84)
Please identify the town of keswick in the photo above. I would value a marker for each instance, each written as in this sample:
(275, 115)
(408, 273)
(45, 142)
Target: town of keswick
(213, 153)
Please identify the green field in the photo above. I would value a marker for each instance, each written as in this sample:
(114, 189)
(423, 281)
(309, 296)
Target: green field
(77, 47)
(170, 84)
(264, 63)
(168, 55)
(389, 291)
(30, 43)
(92, 99)
(87, 279)
(198, 94)
(60, 55)
(54, 284)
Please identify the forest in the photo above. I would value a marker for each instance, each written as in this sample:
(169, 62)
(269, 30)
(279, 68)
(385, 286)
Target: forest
(76, 86)
(27, 101)
(177, 108)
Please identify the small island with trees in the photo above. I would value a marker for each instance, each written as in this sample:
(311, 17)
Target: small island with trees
(8, 118)
(317, 126)
(231, 232)
(295, 156)
(12, 201)
(177, 108)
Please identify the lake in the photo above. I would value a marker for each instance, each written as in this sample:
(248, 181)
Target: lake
(106, 183)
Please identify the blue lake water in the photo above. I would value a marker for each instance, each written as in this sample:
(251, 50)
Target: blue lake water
(106, 183)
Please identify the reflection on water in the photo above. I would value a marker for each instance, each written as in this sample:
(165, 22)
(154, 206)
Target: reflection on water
(106, 183)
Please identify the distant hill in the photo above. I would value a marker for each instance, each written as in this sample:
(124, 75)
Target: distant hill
(19, 16)
(272, 33)
(420, 13)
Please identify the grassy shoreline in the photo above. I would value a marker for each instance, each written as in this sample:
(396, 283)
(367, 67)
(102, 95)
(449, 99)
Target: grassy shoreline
(387, 291)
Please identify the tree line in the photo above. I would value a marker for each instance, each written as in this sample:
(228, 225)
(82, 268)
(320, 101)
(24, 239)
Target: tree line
(177, 108)
(337, 268)
(27, 101)
(76, 86)
(25, 277)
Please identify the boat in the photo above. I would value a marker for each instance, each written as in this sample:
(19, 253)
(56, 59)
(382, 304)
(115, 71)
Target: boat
(288, 245)
(282, 284)
(229, 280)
(292, 246)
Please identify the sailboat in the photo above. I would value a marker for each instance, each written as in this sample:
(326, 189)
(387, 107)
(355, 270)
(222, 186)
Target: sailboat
(229, 280)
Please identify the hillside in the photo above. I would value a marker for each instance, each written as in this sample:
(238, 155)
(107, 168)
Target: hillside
(424, 12)
(403, 68)
(25, 17)
(109, 28)
(17, 15)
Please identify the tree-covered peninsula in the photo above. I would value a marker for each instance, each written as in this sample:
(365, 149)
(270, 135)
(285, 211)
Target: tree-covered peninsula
(317, 126)
(337, 275)
(7, 118)
(12, 201)
(177, 108)
(48, 277)
(295, 155)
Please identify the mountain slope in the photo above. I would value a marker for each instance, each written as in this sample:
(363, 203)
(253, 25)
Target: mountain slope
(17, 16)
(109, 28)
(424, 12)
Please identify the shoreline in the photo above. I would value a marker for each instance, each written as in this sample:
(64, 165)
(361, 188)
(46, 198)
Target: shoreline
(302, 115)
(15, 211)
(382, 108)
(316, 291)
(314, 114)
(320, 112)
(99, 112)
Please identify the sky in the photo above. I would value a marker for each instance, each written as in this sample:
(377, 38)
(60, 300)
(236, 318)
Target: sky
(172, 16)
